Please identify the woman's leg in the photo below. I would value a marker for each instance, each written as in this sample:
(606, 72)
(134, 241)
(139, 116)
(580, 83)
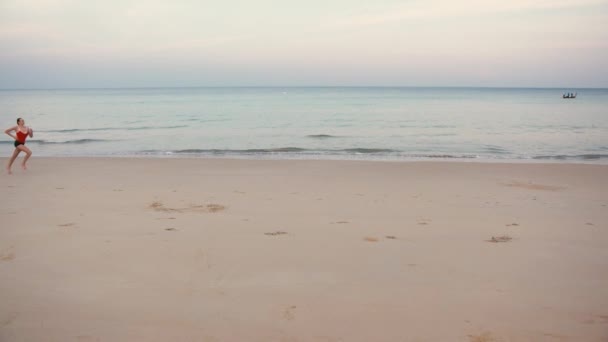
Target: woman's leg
(28, 153)
(10, 162)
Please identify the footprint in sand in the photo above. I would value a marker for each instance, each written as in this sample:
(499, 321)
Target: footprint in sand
(7, 255)
(512, 225)
(339, 222)
(275, 233)
(171, 229)
(370, 239)
(65, 225)
(8, 320)
(289, 313)
(533, 186)
(484, 337)
(503, 238)
(158, 206)
(197, 208)
(209, 208)
(424, 221)
(391, 237)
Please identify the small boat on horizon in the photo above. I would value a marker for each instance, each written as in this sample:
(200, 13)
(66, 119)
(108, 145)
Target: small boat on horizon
(569, 95)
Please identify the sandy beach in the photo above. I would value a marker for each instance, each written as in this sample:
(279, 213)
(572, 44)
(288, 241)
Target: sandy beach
(117, 249)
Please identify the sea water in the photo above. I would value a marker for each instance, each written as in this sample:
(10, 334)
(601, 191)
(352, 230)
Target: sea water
(375, 123)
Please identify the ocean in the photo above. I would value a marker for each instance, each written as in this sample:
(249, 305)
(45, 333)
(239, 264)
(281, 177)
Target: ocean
(361, 123)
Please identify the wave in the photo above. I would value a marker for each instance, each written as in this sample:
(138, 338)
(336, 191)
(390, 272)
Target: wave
(442, 156)
(592, 156)
(495, 149)
(321, 136)
(368, 150)
(286, 151)
(48, 142)
(373, 153)
(247, 151)
(72, 130)
(487, 152)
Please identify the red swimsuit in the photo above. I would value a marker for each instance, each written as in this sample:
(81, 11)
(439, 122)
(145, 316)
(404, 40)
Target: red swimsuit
(21, 136)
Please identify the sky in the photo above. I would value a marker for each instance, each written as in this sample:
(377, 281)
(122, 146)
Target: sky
(185, 43)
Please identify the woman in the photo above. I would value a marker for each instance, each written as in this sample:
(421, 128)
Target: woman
(21, 133)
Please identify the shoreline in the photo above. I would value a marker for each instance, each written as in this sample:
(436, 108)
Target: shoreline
(156, 249)
(467, 160)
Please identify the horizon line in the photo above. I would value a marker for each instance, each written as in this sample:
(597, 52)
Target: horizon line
(296, 86)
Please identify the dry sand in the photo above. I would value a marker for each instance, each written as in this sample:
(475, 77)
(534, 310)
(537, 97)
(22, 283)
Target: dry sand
(240, 250)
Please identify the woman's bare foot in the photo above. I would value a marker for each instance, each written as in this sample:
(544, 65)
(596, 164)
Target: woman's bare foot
(9, 171)
(23, 167)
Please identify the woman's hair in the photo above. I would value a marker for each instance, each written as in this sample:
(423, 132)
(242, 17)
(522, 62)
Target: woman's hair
(18, 120)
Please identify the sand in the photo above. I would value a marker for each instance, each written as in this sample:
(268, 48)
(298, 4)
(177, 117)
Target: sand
(102, 249)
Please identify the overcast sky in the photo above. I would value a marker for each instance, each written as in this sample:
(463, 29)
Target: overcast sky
(136, 43)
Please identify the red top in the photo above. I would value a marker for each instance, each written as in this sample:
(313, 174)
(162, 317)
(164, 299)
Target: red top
(21, 136)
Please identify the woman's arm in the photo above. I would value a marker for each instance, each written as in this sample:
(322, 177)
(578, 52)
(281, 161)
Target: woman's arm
(30, 131)
(8, 131)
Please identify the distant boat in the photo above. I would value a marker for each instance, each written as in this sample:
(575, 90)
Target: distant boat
(569, 96)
